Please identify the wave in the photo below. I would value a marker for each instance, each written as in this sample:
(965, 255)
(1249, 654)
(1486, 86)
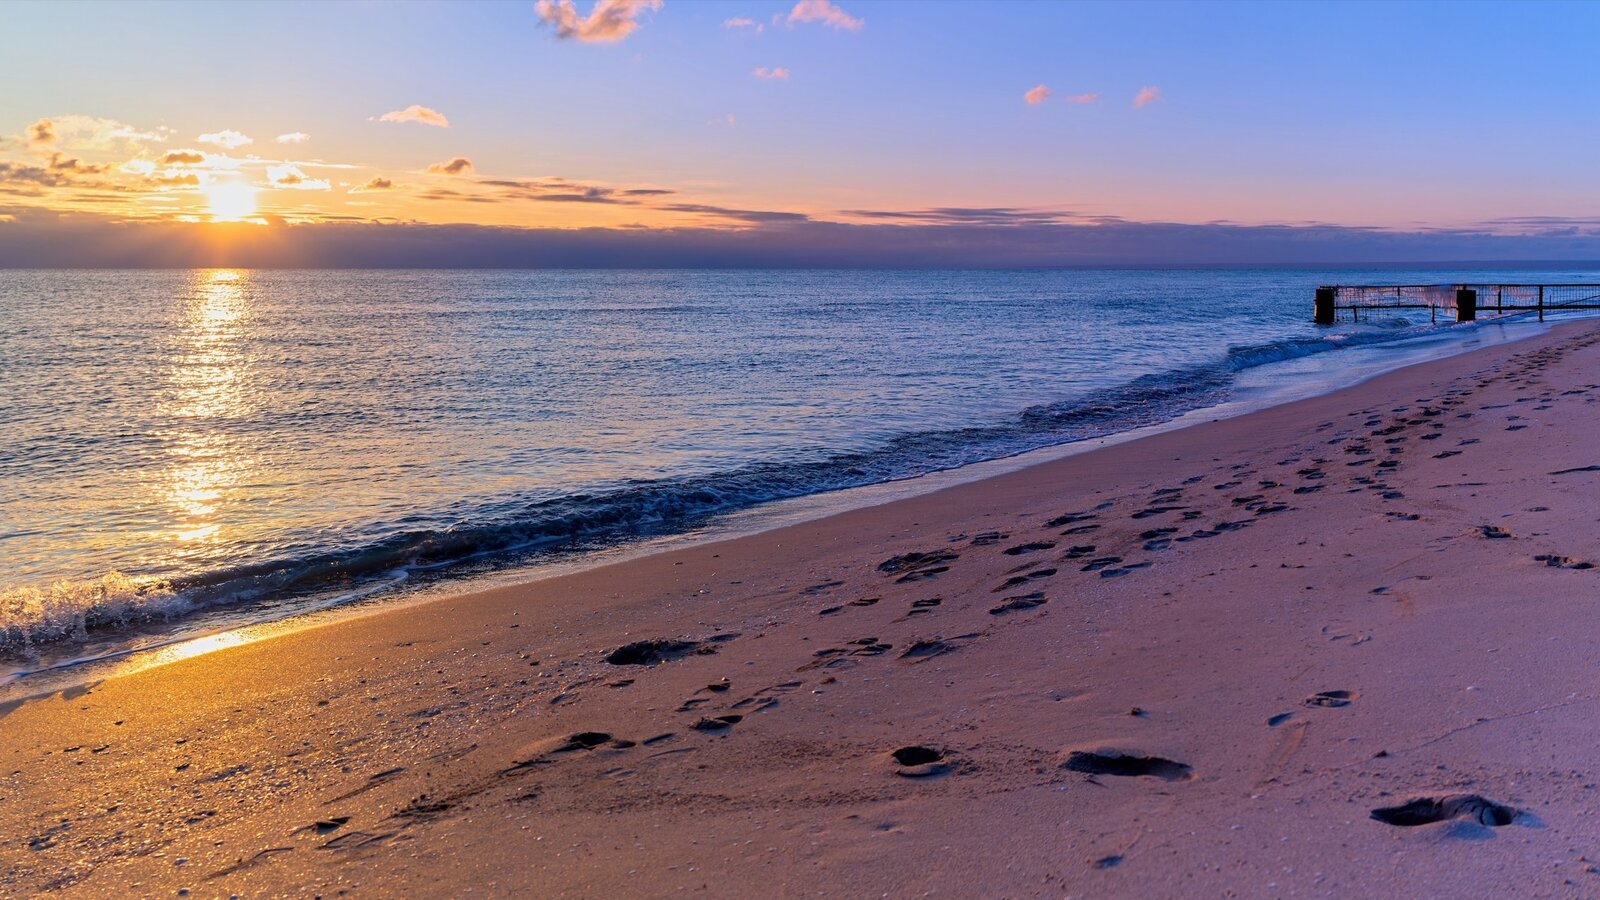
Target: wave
(512, 528)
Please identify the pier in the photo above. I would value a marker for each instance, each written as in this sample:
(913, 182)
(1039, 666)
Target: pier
(1460, 302)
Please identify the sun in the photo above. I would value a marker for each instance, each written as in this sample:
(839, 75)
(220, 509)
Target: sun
(231, 201)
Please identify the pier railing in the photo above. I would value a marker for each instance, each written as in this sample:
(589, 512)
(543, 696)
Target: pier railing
(1461, 302)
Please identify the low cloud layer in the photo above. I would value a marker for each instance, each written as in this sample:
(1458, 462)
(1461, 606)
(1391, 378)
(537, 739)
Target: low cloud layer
(940, 238)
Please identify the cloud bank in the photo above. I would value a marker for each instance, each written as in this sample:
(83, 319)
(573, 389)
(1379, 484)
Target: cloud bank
(945, 238)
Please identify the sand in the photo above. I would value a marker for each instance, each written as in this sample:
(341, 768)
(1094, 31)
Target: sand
(1193, 664)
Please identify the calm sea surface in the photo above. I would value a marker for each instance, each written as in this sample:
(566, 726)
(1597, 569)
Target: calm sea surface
(178, 441)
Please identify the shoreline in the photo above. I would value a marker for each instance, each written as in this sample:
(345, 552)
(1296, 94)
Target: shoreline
(457, 735)
(243, 624)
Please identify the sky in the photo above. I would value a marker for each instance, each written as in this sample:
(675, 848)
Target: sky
(1014, 132)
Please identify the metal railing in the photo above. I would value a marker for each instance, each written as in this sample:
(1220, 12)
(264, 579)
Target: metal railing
(1460, 301)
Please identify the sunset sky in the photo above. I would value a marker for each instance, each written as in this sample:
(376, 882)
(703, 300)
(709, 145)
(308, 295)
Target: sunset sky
(741, 115)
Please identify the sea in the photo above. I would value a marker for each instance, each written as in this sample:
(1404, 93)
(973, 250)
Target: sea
(185, 452)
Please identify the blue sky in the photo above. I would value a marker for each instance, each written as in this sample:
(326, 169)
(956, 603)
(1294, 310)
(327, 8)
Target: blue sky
(1422, 115)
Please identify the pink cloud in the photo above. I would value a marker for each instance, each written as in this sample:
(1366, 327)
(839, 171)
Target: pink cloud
(422, 115)
(775, 74)
(826, 13)
(1084, 98)
(1037, 95)
(742, 22)
(1146, 96)
(608, 21)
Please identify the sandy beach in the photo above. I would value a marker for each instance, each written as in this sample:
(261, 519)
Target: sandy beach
(1191, 665)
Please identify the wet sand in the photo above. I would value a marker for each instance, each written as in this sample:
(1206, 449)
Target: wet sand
(1195, 664)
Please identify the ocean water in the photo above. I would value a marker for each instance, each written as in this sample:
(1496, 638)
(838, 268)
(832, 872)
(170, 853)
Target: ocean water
(220, 445)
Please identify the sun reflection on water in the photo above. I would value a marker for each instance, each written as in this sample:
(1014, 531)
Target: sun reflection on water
(208, 377)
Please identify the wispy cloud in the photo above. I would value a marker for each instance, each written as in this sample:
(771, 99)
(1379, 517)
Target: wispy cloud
(422, 115)
(774, 74)
(826, 13)
(737, 215)
(608, 21)
(1146, 96)
(293, 137)
(291, 178)
(742, 22)
(969, 215)
(227, 138)
(375, 183)
(460, 165)
(1083, 98)
(1037, 95)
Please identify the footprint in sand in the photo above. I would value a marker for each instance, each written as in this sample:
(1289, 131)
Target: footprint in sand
(1563, 562)
(1028, 548)
(719, 723)
(649, 653)
(917, 761)
(1126, 765)
(1331, 699)
(1427, 810)
(918, 565)
(1019, 603)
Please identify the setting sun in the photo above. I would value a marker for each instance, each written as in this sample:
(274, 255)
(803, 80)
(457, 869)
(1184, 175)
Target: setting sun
(231, 201)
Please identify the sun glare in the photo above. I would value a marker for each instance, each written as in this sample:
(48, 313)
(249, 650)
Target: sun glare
(231, 201)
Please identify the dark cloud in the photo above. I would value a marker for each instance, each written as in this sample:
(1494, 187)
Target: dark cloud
(183, 158)
(460, 196)
(42, 133)
(587, 195)
(22, 173)
(460, 165)
(739, 215)
(375, 183)
(958, 215)
(647, 192)
(74, 166)
(187, 179)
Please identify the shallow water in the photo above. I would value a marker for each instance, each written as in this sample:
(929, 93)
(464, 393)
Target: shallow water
(246, 444)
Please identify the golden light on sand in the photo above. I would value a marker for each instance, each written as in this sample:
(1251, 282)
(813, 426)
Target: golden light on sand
(230, 201)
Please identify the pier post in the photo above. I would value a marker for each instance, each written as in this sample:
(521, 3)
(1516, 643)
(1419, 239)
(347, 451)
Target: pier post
(1541, 303)
(1466, 305)
(1323, 313)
